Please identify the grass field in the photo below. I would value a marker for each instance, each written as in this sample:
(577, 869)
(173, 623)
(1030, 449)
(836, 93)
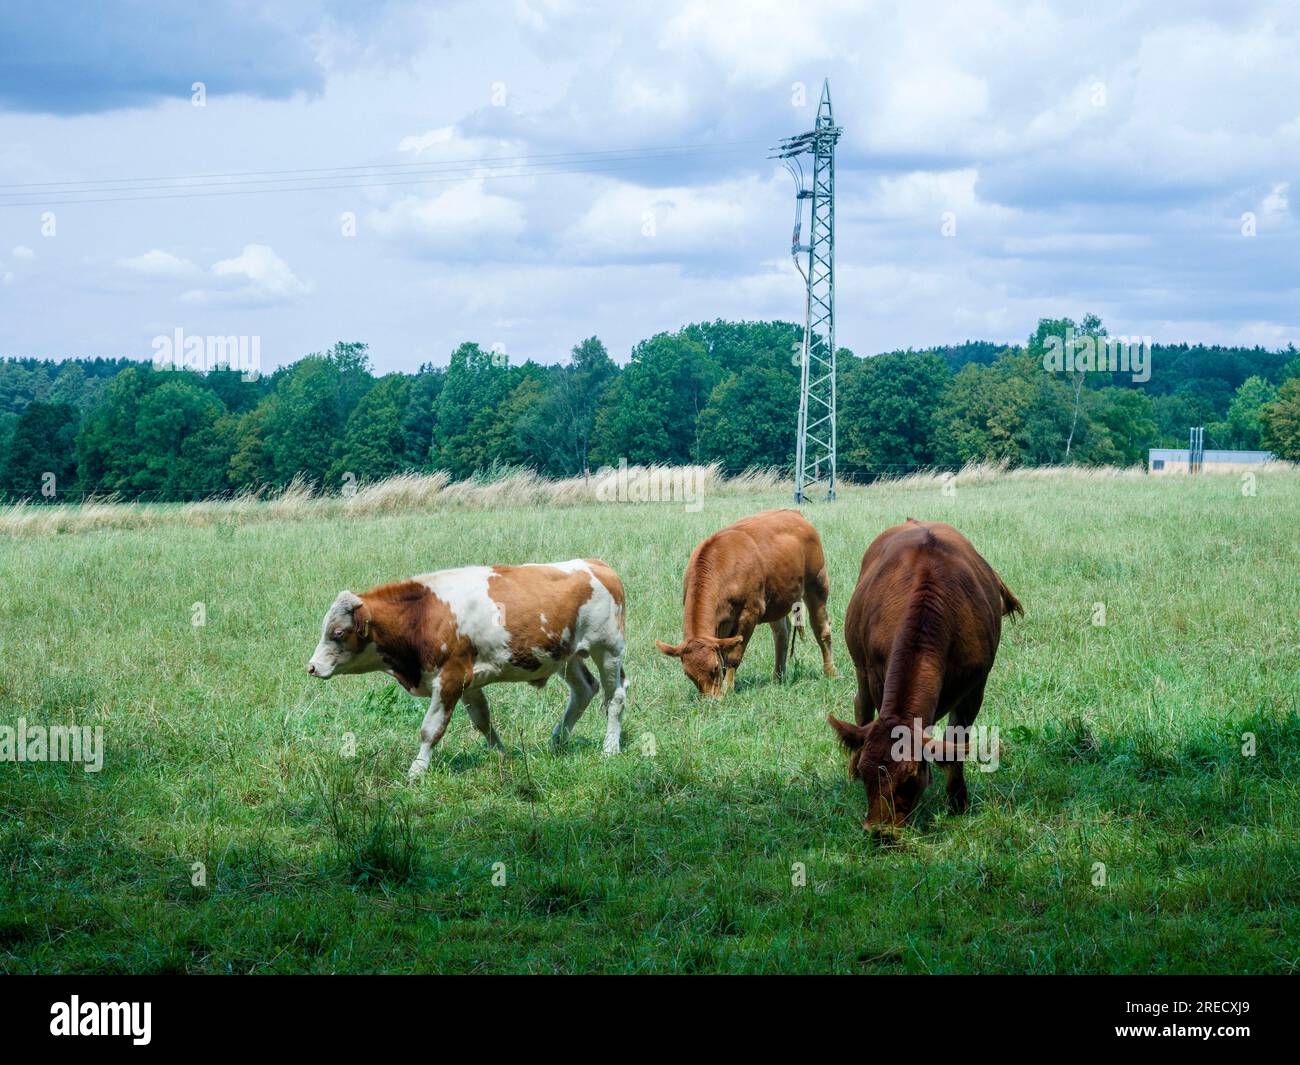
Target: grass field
(1122, 745)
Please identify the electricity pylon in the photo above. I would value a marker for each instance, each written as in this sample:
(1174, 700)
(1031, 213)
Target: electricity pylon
(815, 449)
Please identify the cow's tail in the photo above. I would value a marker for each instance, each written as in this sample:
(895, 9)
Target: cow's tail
(799, 619)
(1010, 604)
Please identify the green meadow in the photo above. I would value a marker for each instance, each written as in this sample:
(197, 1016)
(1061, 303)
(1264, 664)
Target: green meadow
(1144, 817)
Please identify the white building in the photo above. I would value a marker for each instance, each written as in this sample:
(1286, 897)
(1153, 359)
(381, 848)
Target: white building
(1176, 459)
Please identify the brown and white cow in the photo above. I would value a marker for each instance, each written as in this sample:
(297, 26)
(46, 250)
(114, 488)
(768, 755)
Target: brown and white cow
(445, 636)
(752, 572)
(923, 628)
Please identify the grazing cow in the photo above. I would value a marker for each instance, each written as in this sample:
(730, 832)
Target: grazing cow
(445, 636)
(923, 628)
(754, 571)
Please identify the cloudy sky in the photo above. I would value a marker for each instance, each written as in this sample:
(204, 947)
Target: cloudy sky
(1138, 161)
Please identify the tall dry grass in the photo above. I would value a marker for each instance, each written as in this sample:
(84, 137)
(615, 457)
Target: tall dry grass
(519, 488)
(403, 493)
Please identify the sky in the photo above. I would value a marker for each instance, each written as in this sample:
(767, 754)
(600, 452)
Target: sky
(1000, 162)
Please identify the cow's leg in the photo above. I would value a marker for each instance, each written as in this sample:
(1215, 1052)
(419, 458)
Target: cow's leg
(434, 725)
(815, 594)
(613, 681)
(962, 715)
(476, 706)
(864, 702)
(582, 689)
(745, 630)
(958, 799)
(781, 632)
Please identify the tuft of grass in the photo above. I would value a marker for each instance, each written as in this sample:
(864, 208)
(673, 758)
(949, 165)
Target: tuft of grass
(374, 838)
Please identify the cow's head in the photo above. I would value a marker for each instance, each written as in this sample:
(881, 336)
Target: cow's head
(893, 767)
(705, 660)
(346, 642)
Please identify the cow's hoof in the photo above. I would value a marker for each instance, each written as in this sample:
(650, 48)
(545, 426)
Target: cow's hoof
(416, 769)
(613, 747)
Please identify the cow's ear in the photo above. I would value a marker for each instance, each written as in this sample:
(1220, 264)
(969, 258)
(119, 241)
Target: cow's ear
(361, 618)
(726, 643)
(851, 736)
(669, 649)
(349, 600)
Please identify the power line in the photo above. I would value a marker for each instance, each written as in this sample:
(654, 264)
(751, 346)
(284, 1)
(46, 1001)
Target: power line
(465, 160)
(427, 173)
(314, 188)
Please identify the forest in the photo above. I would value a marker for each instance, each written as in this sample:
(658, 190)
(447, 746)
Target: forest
(720, 391)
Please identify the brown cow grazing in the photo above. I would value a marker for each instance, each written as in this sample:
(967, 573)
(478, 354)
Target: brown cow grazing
(445, 636)
(923, 628)
(752, 572)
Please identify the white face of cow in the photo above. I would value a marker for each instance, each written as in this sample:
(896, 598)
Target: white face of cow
(345, 645)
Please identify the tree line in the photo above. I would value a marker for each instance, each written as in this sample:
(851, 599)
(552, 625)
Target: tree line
(718, 391)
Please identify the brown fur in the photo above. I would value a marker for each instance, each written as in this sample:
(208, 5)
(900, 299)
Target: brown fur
(529, 635)
(922, 628)
(750, 573)
(410, 626)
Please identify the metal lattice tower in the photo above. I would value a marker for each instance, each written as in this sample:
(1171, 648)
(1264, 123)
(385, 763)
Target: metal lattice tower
(815, 450)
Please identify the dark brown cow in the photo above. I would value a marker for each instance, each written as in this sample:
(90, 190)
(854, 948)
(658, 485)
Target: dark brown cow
(923, 628)
(752, 572)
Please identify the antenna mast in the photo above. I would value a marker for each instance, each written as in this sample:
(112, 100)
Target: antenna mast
(815, 449)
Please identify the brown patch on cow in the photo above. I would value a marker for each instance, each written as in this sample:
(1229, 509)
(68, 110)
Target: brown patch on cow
(923, 628)
(410, 626)
(525, 595)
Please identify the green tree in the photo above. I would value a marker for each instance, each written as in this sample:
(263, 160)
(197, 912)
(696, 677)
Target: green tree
(251, 464)
(1121, 425)
(303, 420)
(1245, 413)
(750, 420)
(42, 445)
(1041, 346)
(108, 453)
(420, 416)
(374, 442)
(580, 388)
(651, 409)
(466, 437)
(171, 458)
(1281, 420)
(886, 411)
(1010, 410)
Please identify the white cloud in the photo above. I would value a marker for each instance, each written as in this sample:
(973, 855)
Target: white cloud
(757, 42)
(459, 222)
(255, 277)
(22, 251)
(158, 263)
(633, 221)
(1276, 202)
